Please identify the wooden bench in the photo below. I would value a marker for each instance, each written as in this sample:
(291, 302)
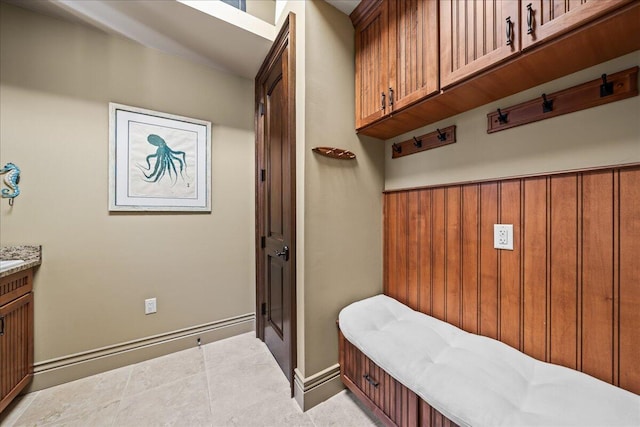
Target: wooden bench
(412, 369)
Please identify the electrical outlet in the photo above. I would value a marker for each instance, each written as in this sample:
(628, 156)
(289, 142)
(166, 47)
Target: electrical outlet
(150, 306)
(503, 236)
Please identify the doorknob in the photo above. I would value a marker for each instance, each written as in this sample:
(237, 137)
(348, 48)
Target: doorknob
(284, 254)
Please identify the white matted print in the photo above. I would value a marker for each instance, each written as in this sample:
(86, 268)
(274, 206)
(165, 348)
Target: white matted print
(158, 161)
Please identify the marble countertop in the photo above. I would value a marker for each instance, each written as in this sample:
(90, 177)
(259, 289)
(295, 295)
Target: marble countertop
(31, 255)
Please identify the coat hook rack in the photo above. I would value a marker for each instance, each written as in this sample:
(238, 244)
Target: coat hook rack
(606, 89)
(547, 104)
(428, 141)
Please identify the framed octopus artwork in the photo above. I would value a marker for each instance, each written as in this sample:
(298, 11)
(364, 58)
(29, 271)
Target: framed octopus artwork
(158, 161)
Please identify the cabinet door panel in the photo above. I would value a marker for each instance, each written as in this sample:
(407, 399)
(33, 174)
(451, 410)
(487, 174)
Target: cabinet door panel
(413, 41)
(549, 18)
(372, 67)
(473, 36)
(16, 347)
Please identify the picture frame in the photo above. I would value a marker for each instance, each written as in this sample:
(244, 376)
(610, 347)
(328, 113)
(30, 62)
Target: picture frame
(158, 161)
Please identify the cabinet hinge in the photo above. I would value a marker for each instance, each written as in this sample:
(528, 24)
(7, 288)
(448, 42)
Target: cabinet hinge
(263, 308)
(263, 242)
(261, 108)
(263, 175)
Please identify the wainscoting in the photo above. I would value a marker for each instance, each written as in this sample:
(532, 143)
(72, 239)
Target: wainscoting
(569, 292)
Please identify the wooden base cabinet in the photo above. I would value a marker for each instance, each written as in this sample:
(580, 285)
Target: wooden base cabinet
(16, 335)
(393, 403)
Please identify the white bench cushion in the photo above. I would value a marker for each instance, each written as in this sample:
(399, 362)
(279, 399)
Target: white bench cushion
(478, 381)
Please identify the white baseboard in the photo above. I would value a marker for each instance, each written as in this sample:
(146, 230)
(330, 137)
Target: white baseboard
(75, 366)
(316, 388)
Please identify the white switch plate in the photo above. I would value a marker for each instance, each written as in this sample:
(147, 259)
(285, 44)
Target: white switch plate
(503, 236)
(150, 306)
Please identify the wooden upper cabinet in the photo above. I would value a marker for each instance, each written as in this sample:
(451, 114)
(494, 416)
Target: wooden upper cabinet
(544, 19)
(476, 34)
(414, 54)
(396, 55)
(372, 60)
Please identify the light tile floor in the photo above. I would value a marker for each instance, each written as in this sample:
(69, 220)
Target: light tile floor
(232, 382)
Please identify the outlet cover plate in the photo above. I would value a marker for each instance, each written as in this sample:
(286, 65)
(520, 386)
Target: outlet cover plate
(150, 306)
(503, 236)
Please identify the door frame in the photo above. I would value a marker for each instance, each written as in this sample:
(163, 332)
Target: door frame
(286, 37)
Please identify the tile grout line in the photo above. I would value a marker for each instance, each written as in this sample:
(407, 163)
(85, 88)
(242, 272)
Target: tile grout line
(124, 389)
(206, 374)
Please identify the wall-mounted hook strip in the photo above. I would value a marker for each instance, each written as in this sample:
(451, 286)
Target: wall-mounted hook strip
(334, 153)
(621, 85)
(502, 117)
(606, 88)
(547, 104)
(416, 144)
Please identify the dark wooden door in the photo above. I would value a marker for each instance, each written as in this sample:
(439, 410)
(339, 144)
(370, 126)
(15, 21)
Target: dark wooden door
(474, 35)
(275, 216)
(543, 19)
(372, 59)
(413, 51)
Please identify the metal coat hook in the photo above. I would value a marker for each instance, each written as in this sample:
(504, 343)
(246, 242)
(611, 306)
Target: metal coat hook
(397, 148)
(547, 104)
(502, 118)
(441, 136)
(417, 142)
(606, 88)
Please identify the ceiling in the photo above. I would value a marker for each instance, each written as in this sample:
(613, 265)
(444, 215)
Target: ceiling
(345, 6)
(207, 32)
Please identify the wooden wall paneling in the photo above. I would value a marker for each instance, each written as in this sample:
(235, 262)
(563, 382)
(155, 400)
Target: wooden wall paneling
(424, 268)
(629, 290)
(564, 257)
(402, 244)
(568, 293)
(390, 219)
(469, 257)
(597, 274)
(413, 258)
(509, 275)
(453, 256)
(488, 261)
(438, 255)
(534, 265)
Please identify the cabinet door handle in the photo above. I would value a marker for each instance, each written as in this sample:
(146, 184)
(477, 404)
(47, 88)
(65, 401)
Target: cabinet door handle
(529, 19)
(371, 380)
(1, 326)
(384, 104)
(509, 31)
(391, 97)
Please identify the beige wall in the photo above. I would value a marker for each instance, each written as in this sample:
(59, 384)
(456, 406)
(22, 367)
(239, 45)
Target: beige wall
(343, 199)
(56, 80)
(263, 9)
(600, 136)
